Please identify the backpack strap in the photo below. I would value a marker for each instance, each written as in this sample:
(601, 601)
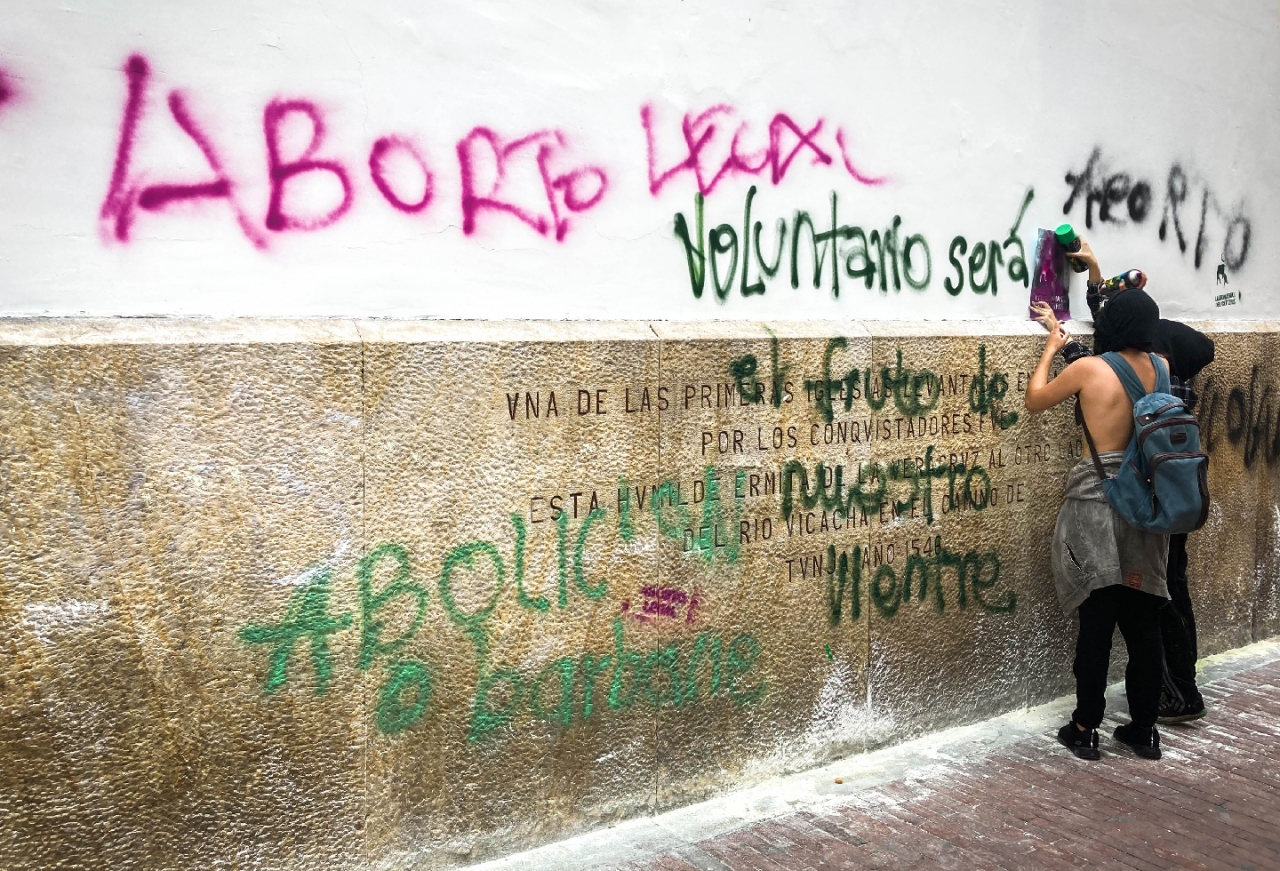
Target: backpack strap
(1093, 449)
(1133, 386)
(1132, 383)
(1163, 384)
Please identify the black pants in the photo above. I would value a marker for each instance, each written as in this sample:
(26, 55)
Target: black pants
(1138, 616)
(1178, 632)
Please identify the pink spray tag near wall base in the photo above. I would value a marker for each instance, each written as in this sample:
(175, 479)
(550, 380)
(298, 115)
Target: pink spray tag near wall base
(1049, 278)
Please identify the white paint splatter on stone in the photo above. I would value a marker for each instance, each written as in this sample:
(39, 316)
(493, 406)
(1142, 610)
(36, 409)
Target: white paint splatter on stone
(340, 417)
(46, 618)
(841, 714)
(309, 574)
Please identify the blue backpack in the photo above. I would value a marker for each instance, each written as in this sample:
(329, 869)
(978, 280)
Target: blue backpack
(1162, 485)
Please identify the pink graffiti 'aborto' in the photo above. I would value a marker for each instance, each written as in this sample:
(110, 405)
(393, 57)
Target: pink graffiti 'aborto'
(281, 171)
(379, 153)
(122, 196)
(559, 189)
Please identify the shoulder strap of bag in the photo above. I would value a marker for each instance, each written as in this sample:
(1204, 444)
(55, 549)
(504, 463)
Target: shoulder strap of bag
(1129, 378)
(1162, 375)
(1093, 449)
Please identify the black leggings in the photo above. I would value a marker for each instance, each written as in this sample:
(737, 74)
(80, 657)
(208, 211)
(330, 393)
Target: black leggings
(1178, 631)
(1138, 616)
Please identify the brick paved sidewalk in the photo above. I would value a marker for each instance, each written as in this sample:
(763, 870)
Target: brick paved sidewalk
(1213, 801)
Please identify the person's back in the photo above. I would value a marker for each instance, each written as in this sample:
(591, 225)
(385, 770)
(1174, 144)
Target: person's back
(1107, 410)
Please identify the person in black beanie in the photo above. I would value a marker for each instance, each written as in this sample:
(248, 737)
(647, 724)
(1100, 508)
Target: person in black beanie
(1111, 573)
(1187, 351)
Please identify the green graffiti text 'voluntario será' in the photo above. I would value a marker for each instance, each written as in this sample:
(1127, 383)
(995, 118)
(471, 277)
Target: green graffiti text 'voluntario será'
(886, 256)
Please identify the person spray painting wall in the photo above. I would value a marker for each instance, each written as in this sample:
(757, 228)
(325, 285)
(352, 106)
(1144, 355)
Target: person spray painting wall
(1112, 573)
(1187, 352)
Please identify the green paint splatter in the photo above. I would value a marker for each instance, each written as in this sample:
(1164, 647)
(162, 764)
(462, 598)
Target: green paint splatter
(371, 626)
(743, 369)
(522, 597)
(579, 573)
(625, 528)
(562, 713)
(986, 392)
(407, 679)
(664, 496)
(473, 624)
(743, 653)
(859, 497)
(623, 659)
(484, 717)
(306, 616)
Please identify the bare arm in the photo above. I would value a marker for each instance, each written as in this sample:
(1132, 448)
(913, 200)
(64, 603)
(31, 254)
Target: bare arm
(1041, 392)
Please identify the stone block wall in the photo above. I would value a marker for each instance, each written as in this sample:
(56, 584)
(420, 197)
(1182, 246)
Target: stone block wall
(388, 594)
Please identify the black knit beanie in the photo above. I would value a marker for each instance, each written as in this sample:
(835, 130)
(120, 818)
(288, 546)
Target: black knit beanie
(1126, 320)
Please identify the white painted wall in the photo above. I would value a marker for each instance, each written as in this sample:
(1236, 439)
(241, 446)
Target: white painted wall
(960, 107)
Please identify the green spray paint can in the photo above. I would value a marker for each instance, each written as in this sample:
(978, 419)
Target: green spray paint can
(1068, 239)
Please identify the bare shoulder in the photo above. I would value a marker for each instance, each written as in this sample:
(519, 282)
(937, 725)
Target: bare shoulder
(1086, 366)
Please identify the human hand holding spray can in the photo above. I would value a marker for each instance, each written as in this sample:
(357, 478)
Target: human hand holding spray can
(1067, 238)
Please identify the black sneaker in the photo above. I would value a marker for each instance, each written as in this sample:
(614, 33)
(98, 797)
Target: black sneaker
(1173, 712)
(1083, 744)
(1144, 742)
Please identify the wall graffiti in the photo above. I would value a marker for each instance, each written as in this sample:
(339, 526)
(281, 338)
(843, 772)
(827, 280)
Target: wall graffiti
(744, 369)
(991, 255)
(713, 518)
(1123, 197)
(307, 616)
(1249, 418)
(118, 210)
(566, 190)
(929, 571)
(538, 179)
(885, 255)
(673, 676)
(487, 161)
(192, 169)
(868, 490)
(712, 146)
(384, 149)
(914, 392)
(670, 603)
(567, 412)
(713, 536)
(493, 166)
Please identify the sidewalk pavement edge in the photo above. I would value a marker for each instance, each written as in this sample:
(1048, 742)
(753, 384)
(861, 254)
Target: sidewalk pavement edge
(679, 831)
